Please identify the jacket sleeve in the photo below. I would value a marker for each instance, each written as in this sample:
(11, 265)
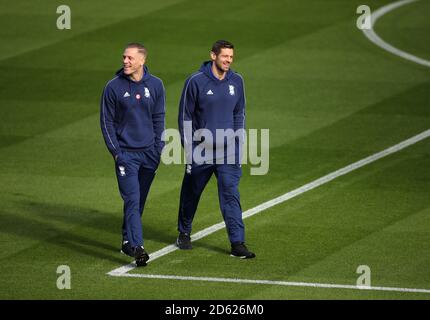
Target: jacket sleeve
(107, 120)
(186, 110)
(239, 110)
(158, 118)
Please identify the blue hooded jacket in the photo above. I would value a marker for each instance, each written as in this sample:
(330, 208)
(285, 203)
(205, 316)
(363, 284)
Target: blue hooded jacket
(210, 103)
(132, 113)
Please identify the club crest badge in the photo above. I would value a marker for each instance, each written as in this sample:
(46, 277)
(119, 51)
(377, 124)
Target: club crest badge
(231, 88)
(147, 94)
(121, 171)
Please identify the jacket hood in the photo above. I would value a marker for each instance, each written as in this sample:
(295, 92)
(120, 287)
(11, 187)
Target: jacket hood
(206, 68)
(146, 74)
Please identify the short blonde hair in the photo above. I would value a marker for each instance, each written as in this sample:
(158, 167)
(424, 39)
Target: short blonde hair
(139, 48)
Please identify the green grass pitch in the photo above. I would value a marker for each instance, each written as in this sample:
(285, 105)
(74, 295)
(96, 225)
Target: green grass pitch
(329, 96)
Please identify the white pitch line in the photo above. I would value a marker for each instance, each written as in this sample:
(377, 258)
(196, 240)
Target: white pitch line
(270, 282)
(287, 196)
(372, 36)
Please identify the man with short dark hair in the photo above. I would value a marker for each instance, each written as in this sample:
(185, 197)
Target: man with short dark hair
(132, 117)
(213, 99)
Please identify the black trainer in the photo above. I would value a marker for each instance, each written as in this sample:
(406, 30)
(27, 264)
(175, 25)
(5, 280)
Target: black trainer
(184, 241)
(239, 250)
(141, 256)
(127, 249)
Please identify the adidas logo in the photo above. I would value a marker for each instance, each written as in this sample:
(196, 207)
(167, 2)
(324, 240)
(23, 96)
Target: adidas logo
(209, 92)
(126, 94)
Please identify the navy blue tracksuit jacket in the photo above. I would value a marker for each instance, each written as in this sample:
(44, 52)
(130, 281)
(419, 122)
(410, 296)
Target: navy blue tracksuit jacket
(132, 122)
(210, 103)
(132, 113)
